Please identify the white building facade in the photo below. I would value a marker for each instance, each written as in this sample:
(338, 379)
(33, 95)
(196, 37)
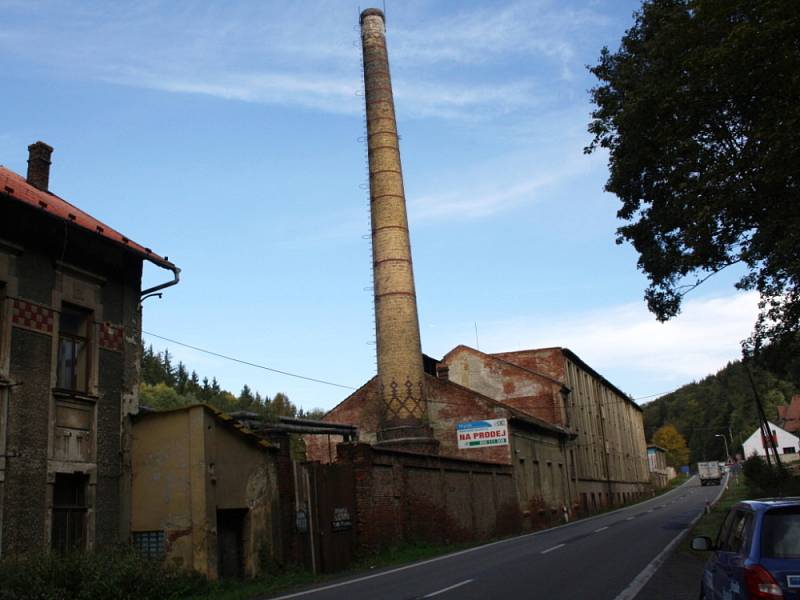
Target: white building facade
(786, 442)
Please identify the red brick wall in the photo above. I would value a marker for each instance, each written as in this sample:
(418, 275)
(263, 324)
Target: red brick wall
(403, 497)
(549, 361)
(512, 384)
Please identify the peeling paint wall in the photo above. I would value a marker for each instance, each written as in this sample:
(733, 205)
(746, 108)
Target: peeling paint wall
(187, 465)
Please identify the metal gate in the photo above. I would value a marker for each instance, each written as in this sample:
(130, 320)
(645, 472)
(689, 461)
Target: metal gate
(333, 515)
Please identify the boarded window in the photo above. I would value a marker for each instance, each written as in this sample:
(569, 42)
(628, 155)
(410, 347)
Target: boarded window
(73, 433)
(69, 512)
(149, 543)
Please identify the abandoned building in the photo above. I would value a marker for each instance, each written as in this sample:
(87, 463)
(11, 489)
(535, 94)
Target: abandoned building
(70, 289)
(205, 492)
(657, 461)
(574, 442)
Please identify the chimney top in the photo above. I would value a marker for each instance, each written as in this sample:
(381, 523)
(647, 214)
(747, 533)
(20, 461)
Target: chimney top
(371, 12)
(39, 165)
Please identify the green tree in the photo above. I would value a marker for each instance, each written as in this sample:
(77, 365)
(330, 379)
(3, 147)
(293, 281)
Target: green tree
(674, 443)
(699, 112)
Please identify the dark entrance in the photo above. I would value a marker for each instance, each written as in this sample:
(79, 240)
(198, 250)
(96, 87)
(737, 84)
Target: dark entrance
(69, 512)
(230, 542)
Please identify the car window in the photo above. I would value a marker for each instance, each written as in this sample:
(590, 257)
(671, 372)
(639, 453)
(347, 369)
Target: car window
(741, 534)
(724, 529)
(734, 537)
(780, 533)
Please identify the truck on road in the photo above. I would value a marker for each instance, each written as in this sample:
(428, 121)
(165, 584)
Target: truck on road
(709, 473)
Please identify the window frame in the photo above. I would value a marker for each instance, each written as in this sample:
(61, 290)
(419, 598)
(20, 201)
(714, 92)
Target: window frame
(85, 361)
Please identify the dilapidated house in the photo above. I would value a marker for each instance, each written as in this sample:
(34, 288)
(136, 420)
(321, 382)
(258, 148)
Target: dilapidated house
(205, 493)
(70, 289)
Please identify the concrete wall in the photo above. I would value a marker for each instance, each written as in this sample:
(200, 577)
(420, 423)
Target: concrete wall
(188, 464)
(42, 265)
(405, 498)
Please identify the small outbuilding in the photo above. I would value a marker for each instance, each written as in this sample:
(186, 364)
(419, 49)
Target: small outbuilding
(785, 442)
(204, 493)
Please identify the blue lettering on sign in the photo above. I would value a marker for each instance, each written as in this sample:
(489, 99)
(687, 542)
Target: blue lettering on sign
(473, 425)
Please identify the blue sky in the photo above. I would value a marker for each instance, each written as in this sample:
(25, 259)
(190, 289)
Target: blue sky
(228, 136)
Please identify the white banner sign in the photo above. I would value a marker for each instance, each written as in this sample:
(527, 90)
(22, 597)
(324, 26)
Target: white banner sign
(492, 432)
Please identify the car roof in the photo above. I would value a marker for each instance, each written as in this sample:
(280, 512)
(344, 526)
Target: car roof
(763, 504)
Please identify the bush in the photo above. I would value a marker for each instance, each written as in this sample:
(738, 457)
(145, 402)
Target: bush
(765, 480)
(118, 574)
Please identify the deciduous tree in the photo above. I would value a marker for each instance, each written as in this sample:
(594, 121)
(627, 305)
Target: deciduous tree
(699, 110)
(670, 439)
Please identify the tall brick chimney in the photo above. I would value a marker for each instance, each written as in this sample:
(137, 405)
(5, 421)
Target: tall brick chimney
(401, 384)
(39, 165)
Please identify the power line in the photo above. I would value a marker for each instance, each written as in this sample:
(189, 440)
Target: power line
(248, 363)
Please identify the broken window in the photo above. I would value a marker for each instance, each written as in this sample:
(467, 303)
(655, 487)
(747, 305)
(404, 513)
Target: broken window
(150, 544)
(69, 512)
(73, 349)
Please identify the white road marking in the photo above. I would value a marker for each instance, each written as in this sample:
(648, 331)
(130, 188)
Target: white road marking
(470, 550)
(447, 589)
(553, 548)
(630, 518)
(601, 529)
(635, 586)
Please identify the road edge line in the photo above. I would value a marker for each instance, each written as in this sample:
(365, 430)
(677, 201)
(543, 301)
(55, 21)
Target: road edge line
(638, 583)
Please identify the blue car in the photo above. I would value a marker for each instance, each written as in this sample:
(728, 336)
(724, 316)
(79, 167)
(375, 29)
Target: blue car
(756, 553)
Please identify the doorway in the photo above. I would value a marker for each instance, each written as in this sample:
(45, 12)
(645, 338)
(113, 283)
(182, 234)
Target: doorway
(230, 542)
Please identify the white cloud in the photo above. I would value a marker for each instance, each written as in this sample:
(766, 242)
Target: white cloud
(627, 341)
(270, 53)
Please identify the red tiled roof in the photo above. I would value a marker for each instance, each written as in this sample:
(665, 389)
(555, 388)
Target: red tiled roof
(18, 188)
(789, 415)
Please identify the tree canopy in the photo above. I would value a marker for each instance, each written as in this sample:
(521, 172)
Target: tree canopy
(674, 443)
(699, 110)
(720, 404)
(165, 386)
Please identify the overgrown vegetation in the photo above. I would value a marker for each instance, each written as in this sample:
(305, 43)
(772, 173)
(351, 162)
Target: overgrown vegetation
(165, 386)
(722, 403)
(765, 480)
(119, 574)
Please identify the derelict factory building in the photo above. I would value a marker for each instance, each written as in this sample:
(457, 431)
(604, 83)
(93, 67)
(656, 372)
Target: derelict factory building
(575, 442)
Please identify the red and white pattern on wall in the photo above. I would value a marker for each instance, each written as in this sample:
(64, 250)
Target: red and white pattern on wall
(112, 336)
(32, 316)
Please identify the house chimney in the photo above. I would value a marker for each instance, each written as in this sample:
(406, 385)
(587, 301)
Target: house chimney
(401, 384)
(39, 165)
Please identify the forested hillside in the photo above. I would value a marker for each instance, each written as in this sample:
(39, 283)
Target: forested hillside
(721, 404)
(165, 385)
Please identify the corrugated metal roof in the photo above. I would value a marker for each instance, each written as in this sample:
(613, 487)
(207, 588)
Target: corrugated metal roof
(17, 188)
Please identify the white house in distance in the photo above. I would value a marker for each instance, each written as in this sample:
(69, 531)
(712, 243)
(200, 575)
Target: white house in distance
(786, 442)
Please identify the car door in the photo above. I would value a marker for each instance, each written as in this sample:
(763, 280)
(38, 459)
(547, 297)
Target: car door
(714, 577)
(730, 555)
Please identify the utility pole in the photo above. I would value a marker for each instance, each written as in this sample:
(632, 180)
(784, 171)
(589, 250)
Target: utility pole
(766, 433)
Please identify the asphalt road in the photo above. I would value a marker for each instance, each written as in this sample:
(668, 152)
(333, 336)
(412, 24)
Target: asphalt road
(598, 558)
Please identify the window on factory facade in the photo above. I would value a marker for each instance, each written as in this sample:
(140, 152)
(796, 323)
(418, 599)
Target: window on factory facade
(73, 348)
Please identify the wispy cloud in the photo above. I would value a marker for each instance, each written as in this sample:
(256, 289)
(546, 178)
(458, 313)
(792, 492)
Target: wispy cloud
(272, 53)
(627, 340)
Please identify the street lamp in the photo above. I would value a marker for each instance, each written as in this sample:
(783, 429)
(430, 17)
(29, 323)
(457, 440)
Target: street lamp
(727, 454)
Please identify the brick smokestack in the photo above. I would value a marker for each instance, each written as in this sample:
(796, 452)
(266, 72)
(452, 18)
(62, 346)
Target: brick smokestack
(39, 165)
(401, 382)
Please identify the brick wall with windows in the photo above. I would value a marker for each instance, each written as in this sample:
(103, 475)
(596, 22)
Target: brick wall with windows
(69, 331)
